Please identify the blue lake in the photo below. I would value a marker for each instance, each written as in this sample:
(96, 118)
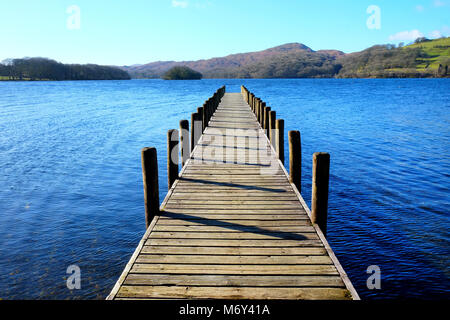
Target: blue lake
(71, 181)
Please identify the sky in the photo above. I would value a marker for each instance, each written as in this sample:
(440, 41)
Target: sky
(119, 32)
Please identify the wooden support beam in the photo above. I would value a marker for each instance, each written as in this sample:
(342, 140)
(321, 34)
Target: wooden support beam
(272, 118)
(295, 159)
(184, 141)
(320, 182)
(279, 139)
(200, 114)
(149, 160)
(266, 120)
(196, 129)
(172, 156)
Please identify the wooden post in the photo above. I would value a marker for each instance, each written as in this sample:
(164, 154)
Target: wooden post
(266, 120)
(272, 117)
(149, 160)
(200, 114)
(320, 181)
(262, 107)
(193, 118)
(172, 156)
(260, 111)
(279, 139)
(196, 129)
(184, 141)
(295, 159)
(205, 116)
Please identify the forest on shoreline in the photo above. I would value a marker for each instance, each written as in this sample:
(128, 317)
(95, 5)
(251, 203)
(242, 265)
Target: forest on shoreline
(40, 69)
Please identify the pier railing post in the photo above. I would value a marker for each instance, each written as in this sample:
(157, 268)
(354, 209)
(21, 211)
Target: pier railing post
(320, 181)
(257, 109)
(172, 156)
(266, 120)
(295, 159)
(196, 129)
(279, 139)
(149, 160)
(200, 114)
(272, 118)
(184, 141)
(262, 104)
(205, 116)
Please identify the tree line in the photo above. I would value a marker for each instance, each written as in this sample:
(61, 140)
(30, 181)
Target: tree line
(47, 69)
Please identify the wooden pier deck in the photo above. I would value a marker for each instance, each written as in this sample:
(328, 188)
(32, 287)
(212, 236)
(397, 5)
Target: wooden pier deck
(233, 226)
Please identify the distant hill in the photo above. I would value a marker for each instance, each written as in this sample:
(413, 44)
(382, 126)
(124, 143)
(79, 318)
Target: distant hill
(276, 62)
(428, 58)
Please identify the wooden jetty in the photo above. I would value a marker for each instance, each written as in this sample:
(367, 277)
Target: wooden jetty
(233, 224)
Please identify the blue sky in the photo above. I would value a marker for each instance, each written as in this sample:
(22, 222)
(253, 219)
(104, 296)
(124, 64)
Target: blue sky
(140, 31)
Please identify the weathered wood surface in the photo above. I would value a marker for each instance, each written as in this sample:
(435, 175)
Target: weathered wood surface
(233, 226)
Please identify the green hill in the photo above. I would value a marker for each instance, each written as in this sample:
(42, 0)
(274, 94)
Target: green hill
(437, 53)
(424, 59)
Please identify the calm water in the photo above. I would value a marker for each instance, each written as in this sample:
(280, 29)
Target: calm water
(71, 185)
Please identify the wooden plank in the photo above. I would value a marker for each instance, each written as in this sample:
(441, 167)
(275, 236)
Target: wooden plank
(233, 280)
(220, 259)
(231, 228)
(229, 202)
(233, 243)
(233, 235)
(292, 223)
(234, 269)
(186, 292)
(235, 216)
(240, 251)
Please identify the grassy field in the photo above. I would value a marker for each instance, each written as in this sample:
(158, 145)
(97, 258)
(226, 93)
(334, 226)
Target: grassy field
(438, 52)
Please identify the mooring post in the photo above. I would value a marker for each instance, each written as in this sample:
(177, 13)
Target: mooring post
(193, 118)
(295, 159)
(263, 106)
(149, 160)
(196, 128)
(200, 114)
(172, 156)
(205, 116)
(266, 120)
(261, 112)
(320, 181)
(279, 139)
(184, 141)
(257, 108)
(272, 118)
